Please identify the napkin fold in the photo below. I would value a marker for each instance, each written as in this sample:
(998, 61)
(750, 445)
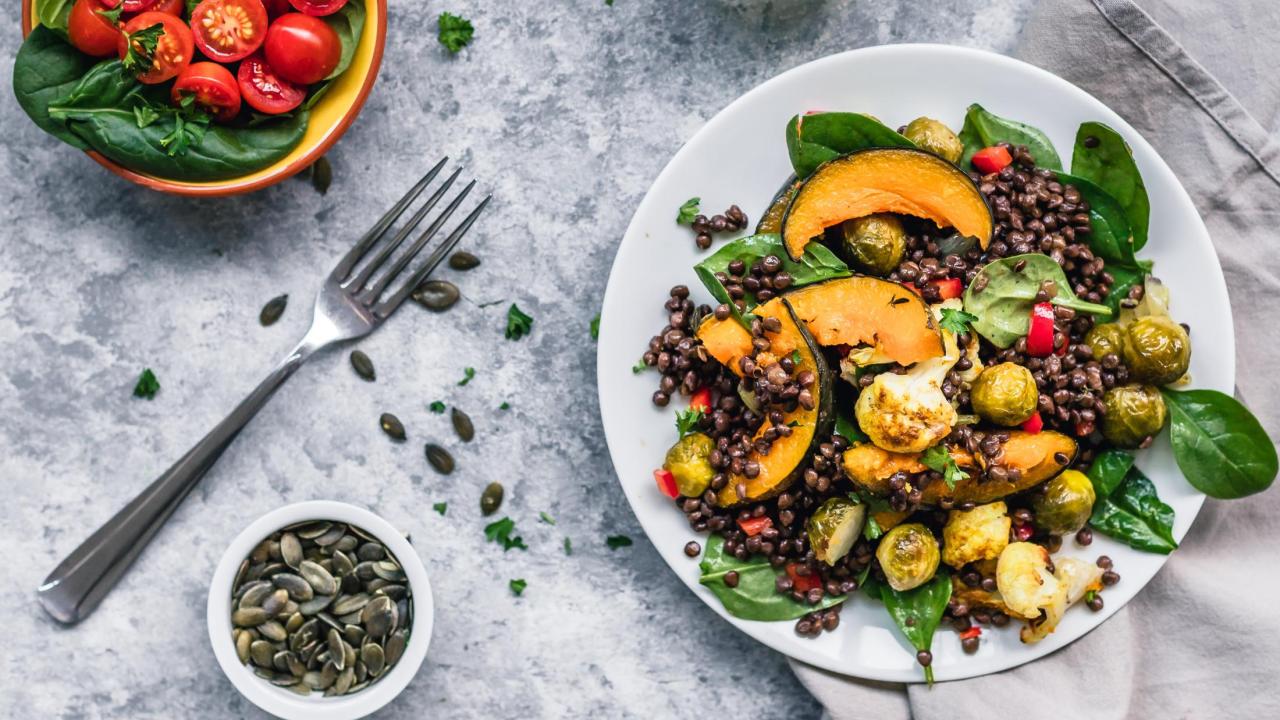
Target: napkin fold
(1202, 640)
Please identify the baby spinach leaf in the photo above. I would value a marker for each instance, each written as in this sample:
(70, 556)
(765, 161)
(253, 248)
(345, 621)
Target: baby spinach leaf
(819, 137)
(816, 265)
(918, 611)
(1002, 296)
(1125, 278)
(847, 426)
(1219, 445)
(1111, 239)
(54, 14)
(984, 129)
(45, 69)
(1108, 471)
(1103, 157)
(1137, 494)
(755, 597)
(348, 23)
(1134, 514)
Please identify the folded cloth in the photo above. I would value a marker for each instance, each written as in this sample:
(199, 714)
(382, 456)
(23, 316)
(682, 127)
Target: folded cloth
(1202, 639)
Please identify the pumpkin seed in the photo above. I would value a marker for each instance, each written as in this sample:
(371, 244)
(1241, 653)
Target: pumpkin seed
(249, 617)
(336, 653)
(273, 631)
(299, 688)
(392, 426)
(341, 564)
(331, 536)
(275, 602)
(297, 588)
(311, 531)
(346, 544)
(313, 680)
(284, 679)
(318, 578)
(290, 550)
(463, 260)
(257, 592)
(243, 642)
(240, 573)
(440, 459)
(321, 174)
(388, 570)
(294, 622)
(353, 634)
(261, 652)
(280, 661)
(370, 551)
(315, 604)
(373, 658)
(394, 647)
(363, 365)
(491, 498)
(437, 295)
(272, 311)
(344, 681)
(351, 603)
(462, 425)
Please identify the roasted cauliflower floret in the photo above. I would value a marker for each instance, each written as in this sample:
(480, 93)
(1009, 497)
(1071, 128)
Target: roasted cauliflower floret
(1025, 583)
(977, 534)
(1075, 579)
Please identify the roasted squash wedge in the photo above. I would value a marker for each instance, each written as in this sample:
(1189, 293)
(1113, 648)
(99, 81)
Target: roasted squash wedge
(885, 180)
(789, 456)
(854, 311)
(771, 220)
(1033, 455)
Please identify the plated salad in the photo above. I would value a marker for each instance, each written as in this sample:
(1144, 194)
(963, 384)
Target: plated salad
(180, 89)
(925, 378)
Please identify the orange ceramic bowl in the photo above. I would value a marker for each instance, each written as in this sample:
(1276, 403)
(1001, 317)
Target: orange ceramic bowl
(330, 117)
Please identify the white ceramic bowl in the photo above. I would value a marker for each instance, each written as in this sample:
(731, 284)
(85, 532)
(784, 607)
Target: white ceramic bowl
(280, 701)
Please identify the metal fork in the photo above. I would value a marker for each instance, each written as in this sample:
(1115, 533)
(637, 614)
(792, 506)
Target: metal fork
(350, 305)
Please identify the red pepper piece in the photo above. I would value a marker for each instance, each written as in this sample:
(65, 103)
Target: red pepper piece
(756, 525)
(1040, 334)
(1034, 424)
(803, 583)
(948, 288)
(992, 159)
(666, 482)
(972, 632)
(701, 400)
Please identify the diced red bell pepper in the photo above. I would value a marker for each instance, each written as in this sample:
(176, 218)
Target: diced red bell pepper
(1023, 533)
(1040, 334)
(803, 583)
(666, 482)
(756, 525)
(1034, 424)
(992, 159)
(973, 632)
(948, 288)
(701, 400)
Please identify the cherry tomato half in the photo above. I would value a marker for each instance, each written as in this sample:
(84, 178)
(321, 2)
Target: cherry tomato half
(173, 49)
(176, 8)
(213, 86)
(318, 7)
(302, 49)
(90, 32)
(276, 8)
(265, 91)
(229, 30)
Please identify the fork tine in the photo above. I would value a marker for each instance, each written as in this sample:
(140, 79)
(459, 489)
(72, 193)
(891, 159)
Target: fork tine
(390, 247)
(353, 256)
(388, 306)
(376, 290)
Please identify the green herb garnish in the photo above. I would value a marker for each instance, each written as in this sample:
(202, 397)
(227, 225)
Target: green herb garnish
(639, 367)
(957, 321)
(517, 586)
(688, 211)
(144, 115)
(141, 52)
(518, 324)
(468, 374)
(505, 405)
(500, 532)
(440, 507)
(147, 385)
(544, 517)
(455, 31)
(687, 421)
(938, 459)
(568, 546)
(872, 530)
(617, 541)
(595, 327)
(436, 407)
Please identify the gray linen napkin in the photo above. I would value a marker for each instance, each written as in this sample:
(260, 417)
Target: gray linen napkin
(1198, 79)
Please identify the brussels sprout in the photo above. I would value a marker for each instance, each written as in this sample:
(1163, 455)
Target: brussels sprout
(688, 462)
(1066, 503)
(834, 527)
(1156, 350)
(1134, 413)
(874, 243)
(1106, 339)
(935, 137)
(909, 555)
(1005, 394)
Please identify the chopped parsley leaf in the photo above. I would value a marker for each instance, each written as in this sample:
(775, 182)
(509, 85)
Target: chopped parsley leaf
(440, 507)
(568, 546)
(688, 211)
(544, 517)
(957, 321)
(687, 421)
(147, 385)
(617, 541)
(141, 52)
(500, 532)
(595, 327)
(871, 530)
(639, 367)
(468, 374)
(518, 324)
(436, 407)
(938, 459)
(517, 586)
(455, 31)
(505, 405)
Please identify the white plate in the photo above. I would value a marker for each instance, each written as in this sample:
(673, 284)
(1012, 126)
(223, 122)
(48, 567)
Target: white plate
(740, 157)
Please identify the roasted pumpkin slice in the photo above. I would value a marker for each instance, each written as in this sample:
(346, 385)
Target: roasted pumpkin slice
(854, 311)
(789, 456)
(771, 220)
(1036, 456)
(885, 180)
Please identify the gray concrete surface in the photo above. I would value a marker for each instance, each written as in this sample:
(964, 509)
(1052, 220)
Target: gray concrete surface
(566, 111)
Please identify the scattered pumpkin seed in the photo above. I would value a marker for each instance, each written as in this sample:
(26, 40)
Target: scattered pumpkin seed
(491, 498)
(462, 425)
(437, 295)
(392, 426)
(463, 260)
(363, 365)
(321, 174)
(272, 311)
(440, 459)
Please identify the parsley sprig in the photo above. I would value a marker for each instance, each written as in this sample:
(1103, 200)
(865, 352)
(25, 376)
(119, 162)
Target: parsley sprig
(957, 321)
(140, 55)
(938, 459)
(500, 531)
(455, 31)
(688, 211)
(518, 323)
(687, 421)
(147, 385)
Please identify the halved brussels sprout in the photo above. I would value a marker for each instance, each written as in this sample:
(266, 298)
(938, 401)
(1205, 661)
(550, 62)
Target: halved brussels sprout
(1005, 394)
(908, 555)
(1066, 503)
(1134, 413)
(875, 244)
(1157, 350)
(834, 527)
(935, 137)
(1106, 339)
(689, 464)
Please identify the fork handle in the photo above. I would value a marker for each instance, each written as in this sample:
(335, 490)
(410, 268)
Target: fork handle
(73, 590)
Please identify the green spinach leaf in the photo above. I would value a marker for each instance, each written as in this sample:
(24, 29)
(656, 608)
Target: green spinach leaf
(1111, 239)
(847, 425)
(1108, 471)
(54, 14)
(348, 23)
(819, 137)
(1109, 164)
(1002, 296)
(1220, 446)
(1125, 278)
(1133, 513)
(755, 597)
(45, 69)
(816, 265)
(917, 612)
(984, 129)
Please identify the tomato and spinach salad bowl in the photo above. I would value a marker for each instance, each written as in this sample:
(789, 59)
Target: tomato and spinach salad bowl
(218, 97)
(926, 382)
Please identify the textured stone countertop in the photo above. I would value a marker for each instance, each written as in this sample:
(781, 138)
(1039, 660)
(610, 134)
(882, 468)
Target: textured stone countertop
(566, 111)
